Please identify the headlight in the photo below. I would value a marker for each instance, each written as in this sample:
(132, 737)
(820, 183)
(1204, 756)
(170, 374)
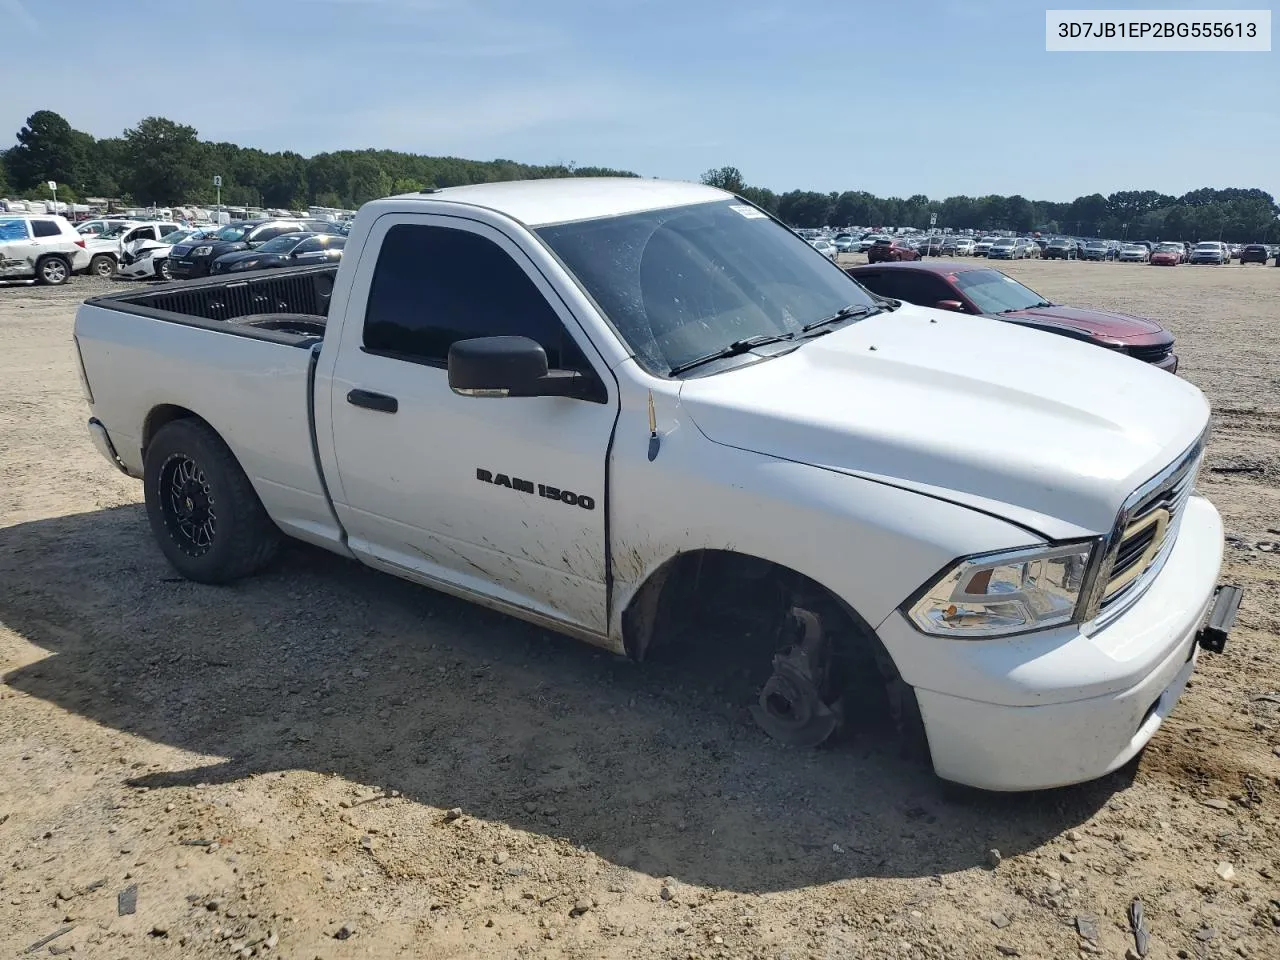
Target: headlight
(144, 254)
(1005, 593)
(202, 251)
(244, 265)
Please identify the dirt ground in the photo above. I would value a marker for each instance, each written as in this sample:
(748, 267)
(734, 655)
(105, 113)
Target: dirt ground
(325, 762)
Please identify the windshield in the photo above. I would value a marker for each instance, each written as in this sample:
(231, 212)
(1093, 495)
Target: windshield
(1169, 247)
(1209, 245)
(1003, 243)
(114, 233)
(680, 283)
(177, 236)
(283, 244)
(993, 292)
(232, 234)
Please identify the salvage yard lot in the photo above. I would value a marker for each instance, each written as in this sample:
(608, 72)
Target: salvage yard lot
(273, 764)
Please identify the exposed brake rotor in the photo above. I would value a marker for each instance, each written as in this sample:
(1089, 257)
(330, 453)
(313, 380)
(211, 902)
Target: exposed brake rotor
(791, 708)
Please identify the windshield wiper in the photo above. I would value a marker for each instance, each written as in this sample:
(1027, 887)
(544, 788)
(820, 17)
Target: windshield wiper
(1029, 306)
(734, 349)
(848, 312)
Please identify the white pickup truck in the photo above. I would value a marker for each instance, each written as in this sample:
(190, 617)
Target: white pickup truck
(601, 404)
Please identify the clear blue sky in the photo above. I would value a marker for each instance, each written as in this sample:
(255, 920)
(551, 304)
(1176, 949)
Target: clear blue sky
(935, 96)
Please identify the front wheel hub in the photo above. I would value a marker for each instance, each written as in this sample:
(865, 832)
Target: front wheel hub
(791, 707)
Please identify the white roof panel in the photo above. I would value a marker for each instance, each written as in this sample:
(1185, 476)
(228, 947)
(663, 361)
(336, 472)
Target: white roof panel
(540, 202)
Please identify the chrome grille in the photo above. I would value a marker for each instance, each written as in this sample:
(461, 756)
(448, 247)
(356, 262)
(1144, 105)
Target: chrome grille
(1147, 528)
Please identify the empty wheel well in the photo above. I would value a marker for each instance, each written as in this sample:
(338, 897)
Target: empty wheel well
(710, 607)
(159, 416)
(709, 581)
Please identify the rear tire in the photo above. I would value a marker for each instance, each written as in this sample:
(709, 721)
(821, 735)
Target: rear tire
(204, 513)
(102, 266)
(52, 271)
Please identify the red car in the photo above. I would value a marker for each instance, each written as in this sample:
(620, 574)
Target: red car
(889, 250)
(984, 291)
(1167, 255)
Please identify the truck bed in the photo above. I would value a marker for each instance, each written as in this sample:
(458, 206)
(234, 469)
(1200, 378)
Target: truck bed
(282, 306)
(150, 355)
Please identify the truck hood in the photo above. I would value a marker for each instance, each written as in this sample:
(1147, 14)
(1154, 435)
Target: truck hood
(1045, 431)
(1097, 323)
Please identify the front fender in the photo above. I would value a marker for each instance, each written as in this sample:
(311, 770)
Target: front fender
(870, 544)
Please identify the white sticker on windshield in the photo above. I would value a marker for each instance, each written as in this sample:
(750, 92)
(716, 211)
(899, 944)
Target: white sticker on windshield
(751, 213)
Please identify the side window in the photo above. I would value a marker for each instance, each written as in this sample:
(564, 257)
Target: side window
(308, 246)
(907, 286)
(930, 289)
(263, 234)
(45, 228)
(13, 230)
(167, 229)
(435, 285)
(146, 233)
(873, 282)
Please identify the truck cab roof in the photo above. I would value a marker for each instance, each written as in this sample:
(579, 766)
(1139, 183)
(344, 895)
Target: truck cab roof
(538, 203)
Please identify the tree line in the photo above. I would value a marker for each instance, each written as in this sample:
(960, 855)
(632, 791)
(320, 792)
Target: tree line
(162, 162)
(1234, 214)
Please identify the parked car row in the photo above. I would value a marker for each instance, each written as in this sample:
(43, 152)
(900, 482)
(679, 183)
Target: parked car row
(47, 249)
(197, 258)
(905, 246)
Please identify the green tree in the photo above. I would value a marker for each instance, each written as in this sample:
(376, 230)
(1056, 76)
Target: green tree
(1085, 214)
(407, 185)
(166, 162)
(368, 180)
(4, 173)
(762, 197)
(726, 178)
(283, 181)
(66, 193)
(804, 208)
(47, 150)
(1019, 213)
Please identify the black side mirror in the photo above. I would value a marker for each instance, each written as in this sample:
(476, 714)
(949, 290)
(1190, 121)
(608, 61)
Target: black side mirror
(508, 367)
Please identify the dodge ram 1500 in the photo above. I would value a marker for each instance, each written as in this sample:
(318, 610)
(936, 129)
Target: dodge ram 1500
(591, 403)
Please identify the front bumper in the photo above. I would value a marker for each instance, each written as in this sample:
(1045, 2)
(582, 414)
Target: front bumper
(186, 268)
(138, 269)
(1061, 706)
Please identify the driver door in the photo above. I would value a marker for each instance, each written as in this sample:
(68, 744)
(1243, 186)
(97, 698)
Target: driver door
(503, 498)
